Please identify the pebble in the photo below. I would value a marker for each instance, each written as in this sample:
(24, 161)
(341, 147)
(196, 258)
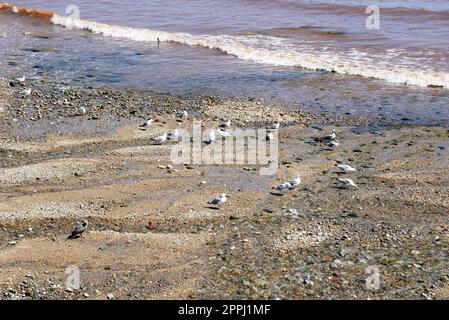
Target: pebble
(337, 264)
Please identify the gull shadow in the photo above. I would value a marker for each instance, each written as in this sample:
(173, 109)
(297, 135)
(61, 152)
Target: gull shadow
(341, 187)
(212, 208)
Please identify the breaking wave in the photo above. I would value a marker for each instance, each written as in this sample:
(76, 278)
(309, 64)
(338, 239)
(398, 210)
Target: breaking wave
(262, 49)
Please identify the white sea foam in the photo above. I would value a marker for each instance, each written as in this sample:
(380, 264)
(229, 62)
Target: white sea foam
(273, 51)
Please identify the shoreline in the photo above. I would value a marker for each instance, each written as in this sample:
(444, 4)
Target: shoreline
(316, 241)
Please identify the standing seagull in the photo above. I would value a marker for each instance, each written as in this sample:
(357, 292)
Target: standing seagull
(223, 133)
(295, 182)
(331, 136)
(26, 92)
(161, 138)
(226, 124)
(221, 199)
(212, 137)
(184, 115)
(79, 230)
(333, 143)
(83, 110)
(284, 186)
(275, 125)
(174, 134)
(146, 124)
(346, 168)
(348, 182)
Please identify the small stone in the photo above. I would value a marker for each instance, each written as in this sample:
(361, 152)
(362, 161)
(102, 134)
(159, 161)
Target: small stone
(337, 264)
(110, 296)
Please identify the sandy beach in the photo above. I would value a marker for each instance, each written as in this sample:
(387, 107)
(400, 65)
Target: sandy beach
(61, 163)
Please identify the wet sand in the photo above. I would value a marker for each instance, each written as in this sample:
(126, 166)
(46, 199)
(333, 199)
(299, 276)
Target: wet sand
(60, 165)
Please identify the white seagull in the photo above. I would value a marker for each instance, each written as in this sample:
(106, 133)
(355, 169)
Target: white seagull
(284, 186)
(221, 199)
(223, 133)
(161, 138)
(147, 123)
(346, 168)
(26, 92)
(295, 182)
(226, 124)
(275, 125)
(348, 182)
(185, 115)
(333, 143)
(83, 110)
(331, 136)
(21, 79)
(79, 229)
(212, 137)
(174, 134)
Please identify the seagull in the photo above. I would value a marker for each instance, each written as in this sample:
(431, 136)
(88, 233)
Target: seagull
(275, 125)
(333, 144)
(211, 137)
(295, 182)
(161, 138)
(226, 124)
(221, 199)
(185, 115)
(331, 136)
(284, 186)
(26, 92)
(83, 110)
(78, 231)
(346, 168)
(174, 134)
(270, 136)
(21, 79)
(147, 123)
(348, 182)
(223, 133)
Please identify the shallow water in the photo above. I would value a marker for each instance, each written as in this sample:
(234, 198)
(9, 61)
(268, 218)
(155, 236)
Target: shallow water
(280, 51)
